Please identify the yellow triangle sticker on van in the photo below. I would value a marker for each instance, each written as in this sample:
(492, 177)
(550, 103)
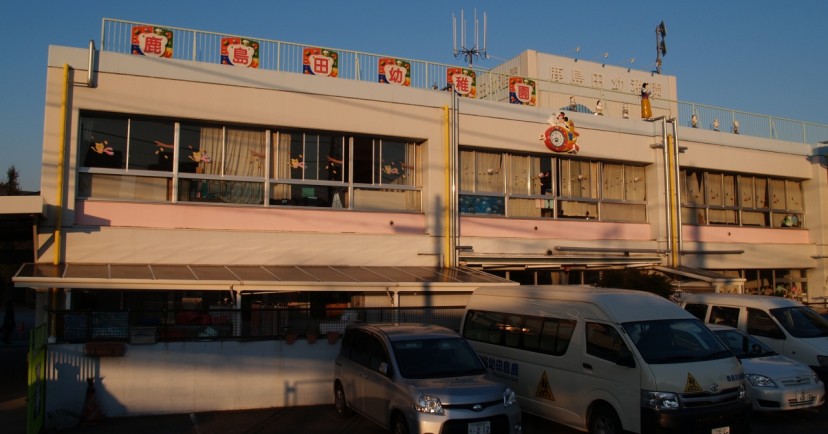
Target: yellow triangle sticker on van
(544, 390)
(692, 385)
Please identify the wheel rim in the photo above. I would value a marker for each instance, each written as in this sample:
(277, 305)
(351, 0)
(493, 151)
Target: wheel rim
(340, 400)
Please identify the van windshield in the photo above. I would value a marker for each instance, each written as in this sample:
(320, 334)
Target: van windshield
(436, 358)
(801, 321)
(675, 341)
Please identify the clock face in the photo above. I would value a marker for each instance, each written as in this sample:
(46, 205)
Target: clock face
(556, 137)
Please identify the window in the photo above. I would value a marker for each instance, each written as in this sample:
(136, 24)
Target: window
(697, 310)
(137, 150)
(502, 184)
(228, 164)
(759, 323)
(718, 198)
(604, 341)
(162, 160)
(728, 316)
(530, 333)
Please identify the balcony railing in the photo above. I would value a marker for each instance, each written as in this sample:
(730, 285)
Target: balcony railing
(201, 46)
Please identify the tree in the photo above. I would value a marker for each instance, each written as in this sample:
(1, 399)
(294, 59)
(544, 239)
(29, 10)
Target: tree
(637, 280)
(12, 185)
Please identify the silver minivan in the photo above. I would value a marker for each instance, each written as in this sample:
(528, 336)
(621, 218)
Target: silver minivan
(418, 378)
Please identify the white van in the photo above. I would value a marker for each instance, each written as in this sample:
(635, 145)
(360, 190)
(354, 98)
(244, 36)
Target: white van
(608, 360)
(787, 326)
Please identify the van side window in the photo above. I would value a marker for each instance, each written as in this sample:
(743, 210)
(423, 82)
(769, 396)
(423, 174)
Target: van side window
(698, 310)
(530, 333)
(728, 316)
(604, 341)
(759, 323)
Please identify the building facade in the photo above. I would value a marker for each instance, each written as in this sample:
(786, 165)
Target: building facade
(178, 190)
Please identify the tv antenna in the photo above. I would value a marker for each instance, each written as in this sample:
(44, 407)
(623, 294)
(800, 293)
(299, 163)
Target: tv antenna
(469, 53)
(661, 46)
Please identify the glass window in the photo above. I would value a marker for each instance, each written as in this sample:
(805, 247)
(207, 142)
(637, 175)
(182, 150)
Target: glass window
(604, 341)
(103, 141)
(151, 144)
(759, 323)
(728, 316)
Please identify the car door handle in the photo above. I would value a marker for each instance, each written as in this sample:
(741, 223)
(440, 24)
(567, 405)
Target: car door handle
(587, 366)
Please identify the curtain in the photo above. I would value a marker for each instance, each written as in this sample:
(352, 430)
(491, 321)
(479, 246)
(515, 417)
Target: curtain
(244, 153)
(489, 172)
(210, 147)
(280, 158)
(613, 183)
(520, 174)
(635, 184)
(794, 189)
(467, 171)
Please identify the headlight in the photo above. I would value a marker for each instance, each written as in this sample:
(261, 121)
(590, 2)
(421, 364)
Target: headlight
(760, 381)
(509, 397)
(429, 404)
(659, 400)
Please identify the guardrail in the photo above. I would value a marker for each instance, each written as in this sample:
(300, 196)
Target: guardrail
(201, 46)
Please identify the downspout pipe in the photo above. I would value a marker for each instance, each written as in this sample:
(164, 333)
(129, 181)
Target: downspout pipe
(447, 202)
(58, 235)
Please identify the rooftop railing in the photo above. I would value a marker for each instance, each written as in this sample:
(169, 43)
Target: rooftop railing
(201, 46)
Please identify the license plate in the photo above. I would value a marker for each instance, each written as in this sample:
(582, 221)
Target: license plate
(722, 430)
(480, 427)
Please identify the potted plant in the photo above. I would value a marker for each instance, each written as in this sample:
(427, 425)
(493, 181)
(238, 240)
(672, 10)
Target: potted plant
(311, 335)
(333, 336)
(290, 336)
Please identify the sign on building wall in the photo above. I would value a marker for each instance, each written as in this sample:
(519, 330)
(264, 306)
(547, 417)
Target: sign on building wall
(152, 41)
(522, 91)
(463, 80)
(320, 61)
(394, 71)
(240, 52)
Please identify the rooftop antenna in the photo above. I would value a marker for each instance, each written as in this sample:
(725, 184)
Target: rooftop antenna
(469, 53)
(661, 47)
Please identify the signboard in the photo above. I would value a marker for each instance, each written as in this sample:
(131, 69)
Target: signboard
(522, 91)
(394, 71)
(239, 52)
(464, 81)
(320, 61)
(152, 41)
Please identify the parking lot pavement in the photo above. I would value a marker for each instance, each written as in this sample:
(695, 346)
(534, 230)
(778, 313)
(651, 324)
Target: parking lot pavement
(319, 419)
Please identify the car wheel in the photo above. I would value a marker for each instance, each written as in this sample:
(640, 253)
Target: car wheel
(400, 426)
(342, 409)
(604, 421)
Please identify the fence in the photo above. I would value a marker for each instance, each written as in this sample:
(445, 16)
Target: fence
(145, 327)
(200, 46)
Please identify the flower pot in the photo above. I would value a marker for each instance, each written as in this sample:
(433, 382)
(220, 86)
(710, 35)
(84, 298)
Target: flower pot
(333, 337)
(290, 337)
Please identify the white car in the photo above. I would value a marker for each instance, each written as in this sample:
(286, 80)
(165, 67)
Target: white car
(775, 382)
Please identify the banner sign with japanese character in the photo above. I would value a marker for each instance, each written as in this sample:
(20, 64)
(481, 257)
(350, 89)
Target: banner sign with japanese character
(320, 61)
(463, 80)
(522, 91)
(152, 41)
(239, 52)
(394, 71)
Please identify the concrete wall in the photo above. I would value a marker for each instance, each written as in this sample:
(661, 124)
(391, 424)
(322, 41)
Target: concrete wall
(184, 377)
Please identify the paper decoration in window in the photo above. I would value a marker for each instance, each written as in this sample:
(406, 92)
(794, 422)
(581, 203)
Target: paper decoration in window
(464, 81)
(320, 61)
(394, 71)
(240, 52)
(522, 91)
(152, 41)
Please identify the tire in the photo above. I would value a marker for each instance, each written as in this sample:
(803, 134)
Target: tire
(340, 404)
(604, 421)
(400, 425)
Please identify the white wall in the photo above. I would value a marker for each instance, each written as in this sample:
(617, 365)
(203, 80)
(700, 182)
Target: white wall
(184, 377)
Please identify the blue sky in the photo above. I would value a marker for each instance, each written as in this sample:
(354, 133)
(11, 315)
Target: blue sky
(758, 56)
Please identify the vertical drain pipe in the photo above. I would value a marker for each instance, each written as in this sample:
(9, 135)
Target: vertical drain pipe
(58, 235)
(447, 258)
